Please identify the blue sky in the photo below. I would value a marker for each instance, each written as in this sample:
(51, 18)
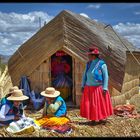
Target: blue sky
(19, 21)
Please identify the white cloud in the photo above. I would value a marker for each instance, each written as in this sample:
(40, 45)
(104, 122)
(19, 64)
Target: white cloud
(137, 13)
(84, 15)
(96, 20)
(131, 31)
(16, 28)
(94, 6)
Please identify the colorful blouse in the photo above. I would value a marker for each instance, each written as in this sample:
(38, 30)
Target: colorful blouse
(57, 108)
(7, 113)
(96, 74)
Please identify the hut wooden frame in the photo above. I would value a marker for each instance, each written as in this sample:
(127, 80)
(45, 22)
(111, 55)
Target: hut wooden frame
(74, 34)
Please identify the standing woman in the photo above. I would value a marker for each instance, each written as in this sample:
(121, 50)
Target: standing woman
(95, 103)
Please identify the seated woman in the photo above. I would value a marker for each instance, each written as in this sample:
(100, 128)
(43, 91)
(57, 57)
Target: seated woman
(11, 107)
(54, 104)
(54, 112)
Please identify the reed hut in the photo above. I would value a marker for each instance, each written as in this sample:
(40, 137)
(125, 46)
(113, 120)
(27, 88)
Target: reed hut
(74, 34)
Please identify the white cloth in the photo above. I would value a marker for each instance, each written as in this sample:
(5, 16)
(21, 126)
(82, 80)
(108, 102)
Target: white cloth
(22, 124)
(3, 111)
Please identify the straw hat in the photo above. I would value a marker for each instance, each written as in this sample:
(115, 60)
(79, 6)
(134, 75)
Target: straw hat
(17, 95)
(13, 88)
(50, 92)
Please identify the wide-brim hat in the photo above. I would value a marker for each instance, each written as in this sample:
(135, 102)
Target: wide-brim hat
(13, 88)
(93, 50)
(50, 92)
(17, 95)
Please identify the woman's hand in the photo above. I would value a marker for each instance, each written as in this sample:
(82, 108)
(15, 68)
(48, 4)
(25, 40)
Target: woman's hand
(82, 89)
(16, 118)
(49, 101)
(104, 92)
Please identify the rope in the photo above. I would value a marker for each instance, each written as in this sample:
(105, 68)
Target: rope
(20, 54)
(124, 44)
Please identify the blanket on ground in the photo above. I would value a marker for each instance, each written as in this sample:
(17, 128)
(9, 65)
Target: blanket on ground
(126, 111)
(60, 128)
(58, 124)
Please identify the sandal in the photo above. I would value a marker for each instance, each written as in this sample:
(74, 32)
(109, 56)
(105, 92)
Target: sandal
(102, 122)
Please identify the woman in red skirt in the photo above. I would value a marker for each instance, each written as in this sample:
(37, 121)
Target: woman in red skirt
(96, 102)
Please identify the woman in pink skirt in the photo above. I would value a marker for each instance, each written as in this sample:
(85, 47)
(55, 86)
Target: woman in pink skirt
(95, 103)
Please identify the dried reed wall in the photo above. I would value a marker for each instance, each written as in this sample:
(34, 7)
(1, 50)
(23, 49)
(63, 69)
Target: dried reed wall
(131, 81)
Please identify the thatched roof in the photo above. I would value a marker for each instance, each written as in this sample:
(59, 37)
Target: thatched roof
(76, 34)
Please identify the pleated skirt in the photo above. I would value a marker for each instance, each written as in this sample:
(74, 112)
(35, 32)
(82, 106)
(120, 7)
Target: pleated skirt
(94, 104)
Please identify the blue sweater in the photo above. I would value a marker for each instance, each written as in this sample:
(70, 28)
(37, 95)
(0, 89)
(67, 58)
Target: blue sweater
(62, 110)
(8, 112)
(96, 74)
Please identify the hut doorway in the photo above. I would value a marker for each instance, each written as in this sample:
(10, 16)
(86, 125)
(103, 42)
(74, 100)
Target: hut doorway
(61, 74)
